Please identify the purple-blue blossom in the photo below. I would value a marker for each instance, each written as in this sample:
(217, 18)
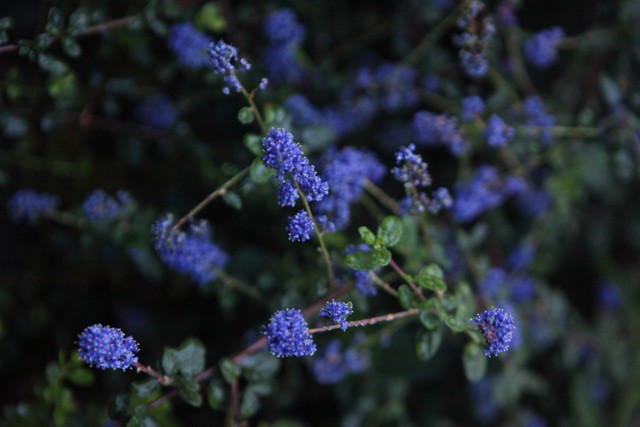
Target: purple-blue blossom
(156, 111)
(104, 347)
(411, 169)
(472, 106)
(300, 227)
(337, 311)
(497, 327)
(497, 133)
(189, 45)
(282, 27)
(191, 253)
(288, 335)
(433, 129)
(483, 192)
(224, 60)
(537, 116)
(30, 206)
(333, 365)
(609, 295)
(99, 206)
(541, 50)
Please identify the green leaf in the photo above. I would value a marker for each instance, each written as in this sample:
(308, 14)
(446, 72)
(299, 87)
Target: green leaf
(216, 395)
(118, 406)
(245, 116)
(190, 392)
(427, 344)
(81, 376)
(210, 17)
(367, 235)
(78, 21)
(390, 231)
(55, 22)
(259, 366)
(406, 296)
(188, 360)
(250, 403)
(52, 65)
(431, 277)
(455, 324)
(232, 199)
(253, 143)
(230, 370)
(259, 173)
(62, 85)
(368, 260)
(145, 388)
(71, 47)
(474, 362)
(428, 319)
(610, 90)
(6, 23)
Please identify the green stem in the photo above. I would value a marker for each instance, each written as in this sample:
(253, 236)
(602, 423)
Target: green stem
(407, 279)
(237, 284)
(249, 97)
(384, 285)
(435, 33)
(382, 196)
(325, 252)
(218, 192)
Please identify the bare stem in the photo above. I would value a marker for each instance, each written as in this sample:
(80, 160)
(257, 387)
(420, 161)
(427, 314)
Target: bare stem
(163, 379)
(366, 322)
(249, 97)
(382, 196)
(384, 285)
(218, 192)
(237, 284)
(323, 246)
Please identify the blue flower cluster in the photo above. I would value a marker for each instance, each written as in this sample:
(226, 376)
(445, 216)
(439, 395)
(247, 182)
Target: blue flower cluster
(99, 206)
(156, 111)
(293, 170)
(300, 226)
(411, 170)
(497, 133)
(438, 129)
(346, 172)
(104, 347)
(285, 35)
(497, 327)
(190, 253)
(287, 334)
(609, 295)
(189, 45)
(538, 117)
(500, 285)
(223, 60)
(474, 41)
(338, 312)
(334, 365)
(541, 50)
(472, 106)
(391, 86)
(485, 191)
(29, 206)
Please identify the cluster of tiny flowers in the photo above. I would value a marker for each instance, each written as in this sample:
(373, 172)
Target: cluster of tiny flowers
(474, 41)
(287, 334)
(99, 206)
(346, 172)
(498, 133)
(104, 347)
(223, 60)
(338, 312)
(156, 111)
(485, 191)
(506, 14)
(472, 106)
(189, 45)
(293, 170)
(411, 170)
(537, 116)
(190, 253)
(299, 227)
(498, 285)
(285, 35)
(334, 365)
(609, 295)
(391, 86)
(542, 49)
(362, 280)
(497, 328)
(438, 129)
(30, 206)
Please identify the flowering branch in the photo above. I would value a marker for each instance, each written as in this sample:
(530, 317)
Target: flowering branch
(366, 322)
(407, 279)
(163, 379)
